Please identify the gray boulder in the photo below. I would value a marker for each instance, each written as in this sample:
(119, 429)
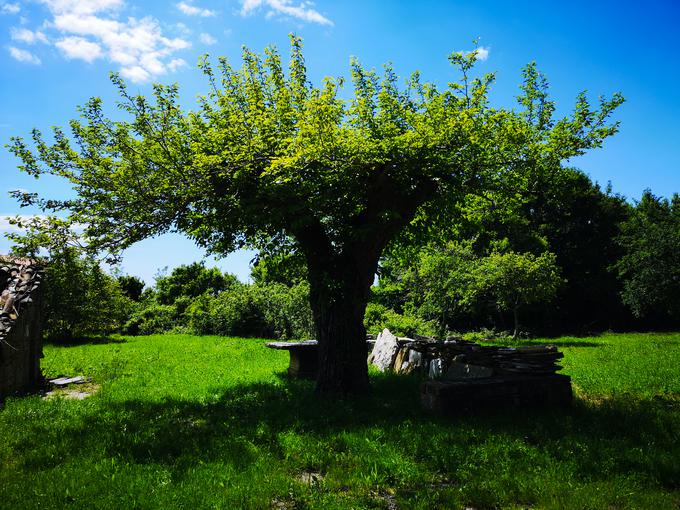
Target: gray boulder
(385, 351)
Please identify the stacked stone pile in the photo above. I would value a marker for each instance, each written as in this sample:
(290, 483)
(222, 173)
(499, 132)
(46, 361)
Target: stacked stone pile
(20, 325)
(19, 279)
(456, 358)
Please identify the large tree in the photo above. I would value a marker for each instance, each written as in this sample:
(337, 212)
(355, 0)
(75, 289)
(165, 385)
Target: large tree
(650, 266)
(269, 159)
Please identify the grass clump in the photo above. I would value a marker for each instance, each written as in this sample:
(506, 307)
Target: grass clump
(210, 422)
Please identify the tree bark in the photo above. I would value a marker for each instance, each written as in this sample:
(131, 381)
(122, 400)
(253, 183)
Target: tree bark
(339, 291)
(339, 324)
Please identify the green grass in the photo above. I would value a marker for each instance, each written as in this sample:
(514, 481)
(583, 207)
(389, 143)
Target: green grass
(190, 422)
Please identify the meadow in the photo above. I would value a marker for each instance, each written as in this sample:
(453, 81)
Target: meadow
(179, 421)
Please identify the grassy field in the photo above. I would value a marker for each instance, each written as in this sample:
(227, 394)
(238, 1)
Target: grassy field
(208, 422)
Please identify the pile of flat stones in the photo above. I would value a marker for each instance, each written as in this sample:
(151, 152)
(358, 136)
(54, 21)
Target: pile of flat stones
(19, 278)
(455, 358)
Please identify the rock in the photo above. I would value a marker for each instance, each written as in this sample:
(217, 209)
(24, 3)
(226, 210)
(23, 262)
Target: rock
(385, 351)
(436, 368)
(401, 364)
(458, 370)
(65, 381)
(415, 359)
(311, 477)
(408, 361)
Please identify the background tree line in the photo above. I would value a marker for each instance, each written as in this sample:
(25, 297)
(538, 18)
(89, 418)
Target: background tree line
(569, 257)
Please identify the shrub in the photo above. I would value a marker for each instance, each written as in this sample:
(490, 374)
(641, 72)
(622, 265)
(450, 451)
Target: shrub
(379, 317)
(151, 318)
(239, 312)
(287, 309)
(192, 280)
(273, 311)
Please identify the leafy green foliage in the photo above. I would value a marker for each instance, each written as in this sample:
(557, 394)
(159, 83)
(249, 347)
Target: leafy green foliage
(439, 286)
(453, 287)
(650, 266)
(131, 286)
(287, 268)
(564, 212)
(264, 311)
(514, 280)
(191, 281)
(269, 155)
(379, 317)
(80, 299)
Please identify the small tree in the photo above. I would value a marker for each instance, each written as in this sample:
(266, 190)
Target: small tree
(514, 280)
(80, 298)
(269, 159)
(439, 283)
(131, 286)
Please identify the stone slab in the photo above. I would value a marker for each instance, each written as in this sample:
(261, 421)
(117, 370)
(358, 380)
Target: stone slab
(385, 351)
(287, 346)
(65, 381)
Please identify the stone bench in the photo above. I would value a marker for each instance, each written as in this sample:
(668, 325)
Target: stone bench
(304, 357)
(452, 397)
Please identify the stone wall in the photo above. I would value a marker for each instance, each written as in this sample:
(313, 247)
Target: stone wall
(20, 326)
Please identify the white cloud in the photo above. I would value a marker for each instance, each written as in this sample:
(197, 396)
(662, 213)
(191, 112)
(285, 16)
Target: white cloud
(82, 7)
(6, 226)
(135, 73)
(9, 8)
(207, 39)
(302, 11)
(80, 48)
(23, 56)
(93, 29)
(192, 10)
(27, 36)
(176, 63)
(183, 28)
(482, 53)
(29, 219)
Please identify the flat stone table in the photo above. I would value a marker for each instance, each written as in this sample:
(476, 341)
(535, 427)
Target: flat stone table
(304, 357)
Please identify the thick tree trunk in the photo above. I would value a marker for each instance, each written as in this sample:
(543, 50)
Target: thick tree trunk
(339, 291)
(340, 278)
(339, 323)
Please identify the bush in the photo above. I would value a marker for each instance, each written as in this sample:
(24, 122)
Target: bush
(151, 318)
(240, 312)
(287, 309)
(650, 266)
(270, 311)
(192, 280)
(379, 317)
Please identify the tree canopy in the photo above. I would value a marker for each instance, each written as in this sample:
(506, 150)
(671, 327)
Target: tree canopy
(269, 159)
(650, 265)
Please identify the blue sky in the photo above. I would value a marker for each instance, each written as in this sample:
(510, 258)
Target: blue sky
(55, 54)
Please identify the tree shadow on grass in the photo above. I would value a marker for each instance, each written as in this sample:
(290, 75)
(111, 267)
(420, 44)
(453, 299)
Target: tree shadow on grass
(523, 342)
(615, 437)
(85, 340)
